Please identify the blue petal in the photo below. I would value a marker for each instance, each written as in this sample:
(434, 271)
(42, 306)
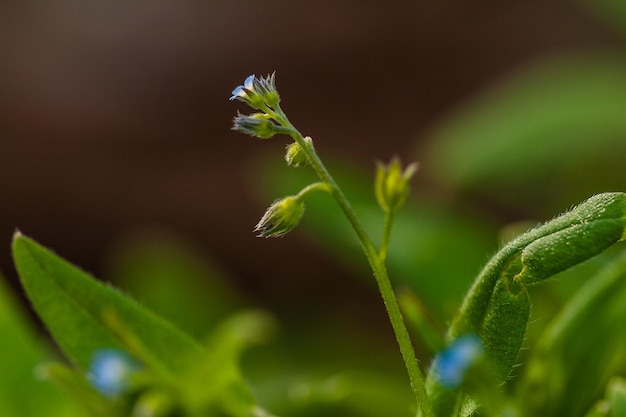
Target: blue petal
(238, 93)
(452, 363)
(109, 371)
(249, 82)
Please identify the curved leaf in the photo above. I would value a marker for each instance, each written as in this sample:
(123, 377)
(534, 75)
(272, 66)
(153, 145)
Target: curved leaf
(74, 307)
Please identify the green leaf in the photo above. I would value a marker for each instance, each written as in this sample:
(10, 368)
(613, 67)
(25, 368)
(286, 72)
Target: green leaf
(216, 382)
(551, 125)
(611, 11)
(617, 397)
(614, 404)
(75, 306)
(174, 279)
(581, 348)
(82, 392)
(22, 392)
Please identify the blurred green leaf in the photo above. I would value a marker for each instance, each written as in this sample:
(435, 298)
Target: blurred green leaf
(610, 11)
(73, 305)
(351, 393)
(554, 132)
(614, 404)
(581, 348)
(77, 385)
(23, 392)
(216, 380)
(617, 397)
(173, 280)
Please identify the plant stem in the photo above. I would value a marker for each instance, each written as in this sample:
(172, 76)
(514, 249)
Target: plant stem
(377, 263)
(390, 217)
(311, 188)
(402, 335)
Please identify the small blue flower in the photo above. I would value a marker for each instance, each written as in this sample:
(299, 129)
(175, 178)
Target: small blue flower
(452, 363)
(241, 92)
(258, 93)
(110, 371)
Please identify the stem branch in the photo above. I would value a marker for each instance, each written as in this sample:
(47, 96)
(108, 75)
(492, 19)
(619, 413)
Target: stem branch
(377, 263)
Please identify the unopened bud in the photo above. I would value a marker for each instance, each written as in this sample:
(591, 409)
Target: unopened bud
(392, 184)
(281, 217)
(256, 124)
(296, 156)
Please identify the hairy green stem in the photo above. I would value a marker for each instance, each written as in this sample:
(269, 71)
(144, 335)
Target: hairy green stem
(377, 263)
(311, 188)
(390, 218)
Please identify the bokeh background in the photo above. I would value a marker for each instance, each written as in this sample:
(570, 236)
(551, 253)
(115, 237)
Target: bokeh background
(116, 148)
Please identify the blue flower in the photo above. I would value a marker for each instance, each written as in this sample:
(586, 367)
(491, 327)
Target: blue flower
(451, 364)
(110, 371)
(241, 92)
(258, 93)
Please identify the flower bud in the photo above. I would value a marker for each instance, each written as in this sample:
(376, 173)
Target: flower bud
(392, 184)
(281, 217)
(257, 124)
(296, 155)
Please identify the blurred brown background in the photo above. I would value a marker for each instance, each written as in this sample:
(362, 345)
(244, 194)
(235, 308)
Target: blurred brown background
(115, 117)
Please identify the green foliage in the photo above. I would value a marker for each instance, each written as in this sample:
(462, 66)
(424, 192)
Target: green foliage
(585, 338)
(557, 123)
(165, 272)
(416, 259)
(79, 310)
(513, 136)
(85, 316)
(24, 391)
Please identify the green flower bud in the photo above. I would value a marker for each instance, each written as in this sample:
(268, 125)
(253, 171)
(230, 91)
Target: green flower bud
(295, 155)
(281, 217)
(260, 125)
(392, 184)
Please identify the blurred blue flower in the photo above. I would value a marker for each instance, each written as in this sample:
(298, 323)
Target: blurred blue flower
(452, 363)
(110, 371)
